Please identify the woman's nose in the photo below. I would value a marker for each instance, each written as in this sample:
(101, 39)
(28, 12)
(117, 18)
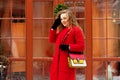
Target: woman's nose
(62, 20)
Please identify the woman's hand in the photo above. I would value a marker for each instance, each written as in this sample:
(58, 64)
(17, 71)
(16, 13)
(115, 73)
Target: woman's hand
(64, 47)
(56, 23)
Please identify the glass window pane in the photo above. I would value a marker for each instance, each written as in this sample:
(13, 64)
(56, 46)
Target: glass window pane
(18, 47)
(18, 29)
(41, 27)
(113, 9)
(113, 28)
(42, 8)
(5, 48)
(99, 28)
(17, 71)
(99, 70)
(69, 3)
(80, 74)
(98, 8)
(5, 9)
(18, 67)
(113, 48)
(41, 69)
(5, 25)
(99, 50)
(81, 23)
(18, 8)
(42, 48)
(113, 70)
(78, 7)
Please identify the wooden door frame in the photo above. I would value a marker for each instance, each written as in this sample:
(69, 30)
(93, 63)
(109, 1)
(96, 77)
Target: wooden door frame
(88, 9)
(29, 39)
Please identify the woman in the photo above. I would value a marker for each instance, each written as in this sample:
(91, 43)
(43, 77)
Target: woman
(65, 22)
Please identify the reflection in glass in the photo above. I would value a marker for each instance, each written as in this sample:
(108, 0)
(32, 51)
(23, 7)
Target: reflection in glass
(5, 47)
(113, 9)
(18, 71)
(42, 48)
(80, 74)
(18, 9)
(78, 7)
(18, 29)
(69, 3)
(99, 70)
(5, 27)
(82, 25)
(18, 48)
(99, 28)
(5, 9)
(98, 8)
(113, 29)
(113, 40)
(113, 48)
(42, 9)
(113, 70)
(99, 48)
(41, 69)
(41, 27)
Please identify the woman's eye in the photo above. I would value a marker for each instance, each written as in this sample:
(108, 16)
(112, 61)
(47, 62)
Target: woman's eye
(64, 18)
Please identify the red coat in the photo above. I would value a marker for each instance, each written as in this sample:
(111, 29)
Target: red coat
(59, 68)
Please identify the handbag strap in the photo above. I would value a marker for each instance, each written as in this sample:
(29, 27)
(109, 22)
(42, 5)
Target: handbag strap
(66, 35)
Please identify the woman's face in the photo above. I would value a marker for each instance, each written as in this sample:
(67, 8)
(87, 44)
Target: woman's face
(64, 19)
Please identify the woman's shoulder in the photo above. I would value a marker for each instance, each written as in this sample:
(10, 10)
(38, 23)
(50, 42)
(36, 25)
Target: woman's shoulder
(76, 28)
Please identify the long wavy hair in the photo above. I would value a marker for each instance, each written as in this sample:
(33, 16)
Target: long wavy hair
(72, 18)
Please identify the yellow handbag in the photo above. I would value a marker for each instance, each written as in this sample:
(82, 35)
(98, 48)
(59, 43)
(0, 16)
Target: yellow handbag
(76, 60)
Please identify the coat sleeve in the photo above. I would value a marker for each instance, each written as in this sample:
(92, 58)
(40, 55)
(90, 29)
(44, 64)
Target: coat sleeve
(79, 41)
(52, 36)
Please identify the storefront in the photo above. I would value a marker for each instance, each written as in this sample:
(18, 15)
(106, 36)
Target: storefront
(24, 30)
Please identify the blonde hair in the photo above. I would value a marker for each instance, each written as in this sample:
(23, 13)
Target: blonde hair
(72, 18)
